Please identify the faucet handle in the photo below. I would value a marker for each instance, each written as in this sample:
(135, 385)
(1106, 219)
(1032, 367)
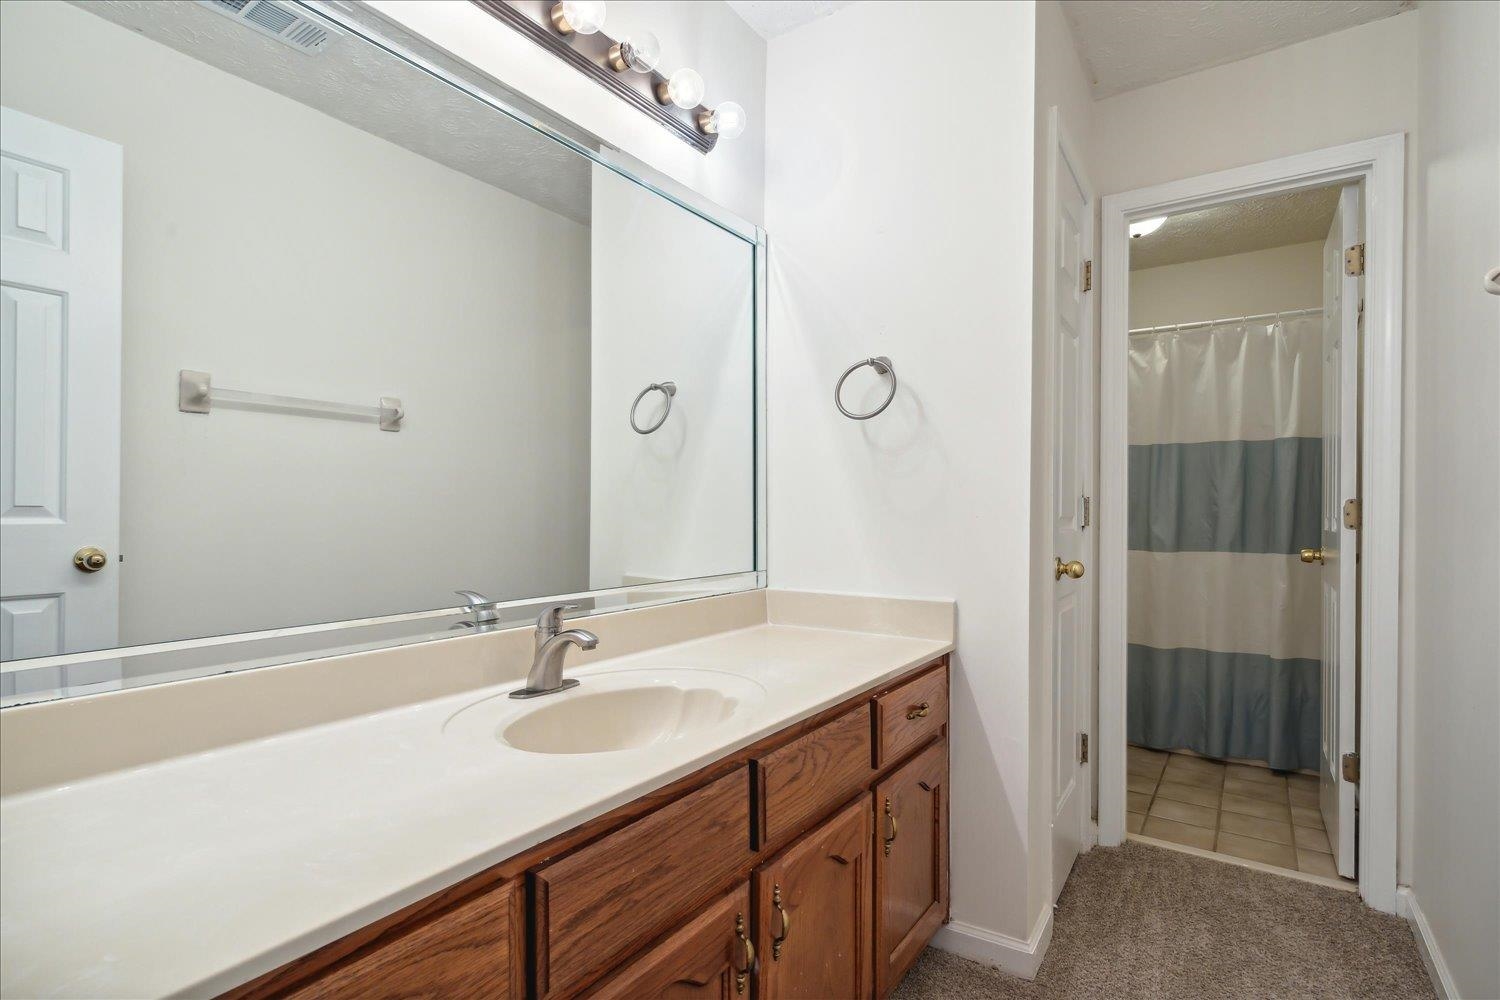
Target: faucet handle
(473, 596)
(550, 620)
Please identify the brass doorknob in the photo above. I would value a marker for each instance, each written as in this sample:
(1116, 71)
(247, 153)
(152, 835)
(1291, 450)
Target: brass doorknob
(1072, 569)
(1313, 555)
(90, 559)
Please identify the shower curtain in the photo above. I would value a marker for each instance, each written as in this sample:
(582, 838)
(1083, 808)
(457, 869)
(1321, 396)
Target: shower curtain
(1225, 471)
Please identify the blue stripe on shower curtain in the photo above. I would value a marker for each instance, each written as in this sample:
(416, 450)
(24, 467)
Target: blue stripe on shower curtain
(1192, 684)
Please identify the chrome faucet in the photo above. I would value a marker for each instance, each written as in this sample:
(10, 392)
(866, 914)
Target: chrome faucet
(549, 648)
(481, 607)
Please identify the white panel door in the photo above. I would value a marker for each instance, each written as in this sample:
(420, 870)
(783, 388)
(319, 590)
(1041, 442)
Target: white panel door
(1073, 415)
(1339, 563)
(60, 255)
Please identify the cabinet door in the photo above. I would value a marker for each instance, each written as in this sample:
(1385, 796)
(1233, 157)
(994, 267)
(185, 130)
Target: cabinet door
(711, 956)
(911, 862)
(813, 912)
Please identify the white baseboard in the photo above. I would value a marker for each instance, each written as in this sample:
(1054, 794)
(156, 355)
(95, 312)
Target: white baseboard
(979, 944)
(1432, 957)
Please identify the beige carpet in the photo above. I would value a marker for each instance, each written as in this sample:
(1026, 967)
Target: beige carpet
(1139, 921)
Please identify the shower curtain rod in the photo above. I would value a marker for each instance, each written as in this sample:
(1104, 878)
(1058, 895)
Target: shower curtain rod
(1227, 319)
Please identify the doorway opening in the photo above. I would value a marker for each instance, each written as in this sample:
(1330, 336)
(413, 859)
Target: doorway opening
(1249, 422)
(1236, 446)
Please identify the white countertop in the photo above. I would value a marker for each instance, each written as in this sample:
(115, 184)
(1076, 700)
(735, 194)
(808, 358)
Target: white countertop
(192, 875)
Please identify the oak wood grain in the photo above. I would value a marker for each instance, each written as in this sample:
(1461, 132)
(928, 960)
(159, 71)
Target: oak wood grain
(704, 960)
(910, 715)
(823, 880)
(472, 949)
(911, 881)
(805, 778)
(592, 907)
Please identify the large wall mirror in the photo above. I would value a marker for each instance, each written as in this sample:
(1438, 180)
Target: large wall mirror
(300, 332)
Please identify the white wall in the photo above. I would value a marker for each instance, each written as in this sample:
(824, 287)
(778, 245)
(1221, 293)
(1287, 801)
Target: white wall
(1455, 867)
(898, 228)
(263, 245)
(707, 36)
(672, 301)
(1242, 284)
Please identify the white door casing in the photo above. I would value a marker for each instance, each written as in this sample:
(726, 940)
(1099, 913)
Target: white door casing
(1069, 321)
(1339, 566)
(61, 226)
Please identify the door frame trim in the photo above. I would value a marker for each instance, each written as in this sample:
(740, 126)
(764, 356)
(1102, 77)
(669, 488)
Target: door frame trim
(1380, 165)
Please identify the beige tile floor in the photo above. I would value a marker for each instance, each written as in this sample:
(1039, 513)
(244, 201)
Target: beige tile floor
(1234, 809)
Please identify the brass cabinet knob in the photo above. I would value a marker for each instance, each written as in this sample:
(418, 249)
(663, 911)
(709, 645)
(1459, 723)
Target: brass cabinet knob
(90, 559)
(1072, 569)
(1314, 555)
(918, 711)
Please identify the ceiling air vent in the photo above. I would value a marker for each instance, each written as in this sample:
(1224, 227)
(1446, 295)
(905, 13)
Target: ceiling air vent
(278, 20)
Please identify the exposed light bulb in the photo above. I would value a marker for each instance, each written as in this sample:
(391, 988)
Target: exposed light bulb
(641, 51)
(1146, 227)
(684, 89)
(582, 16)
(727, 121)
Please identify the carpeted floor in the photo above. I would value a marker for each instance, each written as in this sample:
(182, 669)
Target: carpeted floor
(1139, 921)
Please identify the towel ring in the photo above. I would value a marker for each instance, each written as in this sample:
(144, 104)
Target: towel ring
(882, 366)
(668, 389)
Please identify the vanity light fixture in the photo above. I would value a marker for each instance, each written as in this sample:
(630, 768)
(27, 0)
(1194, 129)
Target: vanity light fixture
(683, 88)
(585, 17)
(725, 121)
(640, 52)
(626, 67)
(1145, 227)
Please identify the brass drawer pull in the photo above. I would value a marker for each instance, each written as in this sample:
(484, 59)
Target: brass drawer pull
(742, 974)
(890, 818)
(918, 711)
(786, 924)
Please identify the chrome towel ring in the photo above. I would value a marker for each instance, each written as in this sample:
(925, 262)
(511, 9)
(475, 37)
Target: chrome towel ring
(667, 389)
(882, 366)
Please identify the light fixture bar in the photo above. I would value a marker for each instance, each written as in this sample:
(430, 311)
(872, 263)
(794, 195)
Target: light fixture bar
(592, 55)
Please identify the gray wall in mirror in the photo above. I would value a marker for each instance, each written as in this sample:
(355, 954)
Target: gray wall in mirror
(345, 226)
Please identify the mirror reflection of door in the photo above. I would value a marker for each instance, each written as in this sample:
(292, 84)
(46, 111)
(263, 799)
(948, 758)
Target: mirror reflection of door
(60, 233)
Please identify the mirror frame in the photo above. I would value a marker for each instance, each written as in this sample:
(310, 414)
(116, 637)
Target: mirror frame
(156, 663)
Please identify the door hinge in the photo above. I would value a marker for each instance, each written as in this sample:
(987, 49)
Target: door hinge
(1088, 503)
(1354, 260)
(1088, 275)
(1350, 763)
(1083, 748)
(1353, 518)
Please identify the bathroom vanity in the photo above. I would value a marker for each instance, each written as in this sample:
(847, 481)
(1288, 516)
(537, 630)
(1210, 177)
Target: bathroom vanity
(812, 863)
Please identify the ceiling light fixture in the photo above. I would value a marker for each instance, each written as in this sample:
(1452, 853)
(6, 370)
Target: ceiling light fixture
(1146, 227)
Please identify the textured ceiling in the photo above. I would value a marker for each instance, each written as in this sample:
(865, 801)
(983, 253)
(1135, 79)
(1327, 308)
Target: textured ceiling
(770, 18)
(355, 82)
(1257, 224)
(1131, 43)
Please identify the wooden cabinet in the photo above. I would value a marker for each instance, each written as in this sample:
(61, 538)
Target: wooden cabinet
(471, 949)
(909, 715)
(807, 777)
(813, 901)
(911, 862)
(711, 958)
(593, 906)
(776, 872)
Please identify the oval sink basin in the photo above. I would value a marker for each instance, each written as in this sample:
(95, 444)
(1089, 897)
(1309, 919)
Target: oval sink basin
(614, 711)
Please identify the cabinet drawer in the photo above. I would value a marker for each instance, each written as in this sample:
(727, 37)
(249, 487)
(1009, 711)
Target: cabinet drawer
(471, 949)
(598, 904)
(810, 775)
(910, 715)
(710, 956)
